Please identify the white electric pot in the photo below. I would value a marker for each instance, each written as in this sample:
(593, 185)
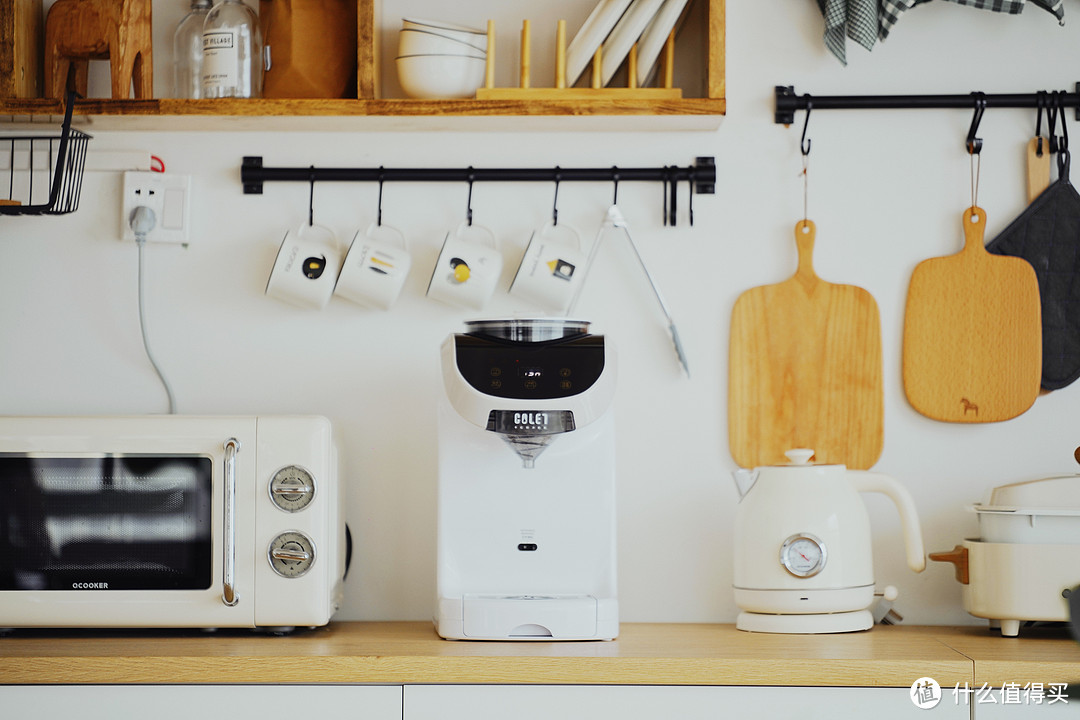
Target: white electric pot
(1024, 564)
(802, 545)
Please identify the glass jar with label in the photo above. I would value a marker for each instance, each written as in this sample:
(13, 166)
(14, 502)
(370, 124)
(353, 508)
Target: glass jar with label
(187, 50)
(232, 64)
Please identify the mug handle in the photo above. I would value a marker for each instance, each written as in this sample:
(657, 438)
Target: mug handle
(323, 229)
(490, 235)
(549, 225)
(400, 235)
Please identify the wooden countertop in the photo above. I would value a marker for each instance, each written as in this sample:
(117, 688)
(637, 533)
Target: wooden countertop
(411, 652)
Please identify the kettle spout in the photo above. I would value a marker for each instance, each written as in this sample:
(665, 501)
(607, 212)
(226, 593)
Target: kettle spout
(744, 480)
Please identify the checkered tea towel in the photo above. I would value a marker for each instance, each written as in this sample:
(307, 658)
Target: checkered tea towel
(855, 19)
(890, 10)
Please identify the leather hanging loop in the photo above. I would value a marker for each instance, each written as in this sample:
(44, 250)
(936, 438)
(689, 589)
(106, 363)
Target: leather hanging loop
(1040, 105)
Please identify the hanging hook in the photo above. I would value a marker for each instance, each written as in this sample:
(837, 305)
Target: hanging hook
(974, 144)
(311, 196)
(468, 204)
(664, 180)
(690, 200)
(674, 195)
(615, 179)
(804, 144)
(555, 203)
(1063, 141)
(378, 215)
(1051, 120)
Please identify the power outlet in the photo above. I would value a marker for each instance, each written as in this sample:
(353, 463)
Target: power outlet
(169, 196)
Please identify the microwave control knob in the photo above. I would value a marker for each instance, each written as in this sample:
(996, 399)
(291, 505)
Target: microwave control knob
(292, 488)
(291, 554)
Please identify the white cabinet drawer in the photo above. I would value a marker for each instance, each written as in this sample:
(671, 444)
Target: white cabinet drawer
(576, 702)
(196, 702)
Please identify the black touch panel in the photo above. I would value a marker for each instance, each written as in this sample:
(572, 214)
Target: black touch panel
(530, 371)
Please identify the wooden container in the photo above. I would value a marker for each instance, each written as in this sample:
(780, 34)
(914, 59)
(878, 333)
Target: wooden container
(22, 30)
(313, 48)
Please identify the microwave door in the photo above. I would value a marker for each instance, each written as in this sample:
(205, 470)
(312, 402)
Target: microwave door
(115, 522)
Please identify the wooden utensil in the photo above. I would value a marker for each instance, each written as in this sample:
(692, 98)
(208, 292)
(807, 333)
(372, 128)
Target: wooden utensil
(972, 333)
(805, 369)
(1038, 167)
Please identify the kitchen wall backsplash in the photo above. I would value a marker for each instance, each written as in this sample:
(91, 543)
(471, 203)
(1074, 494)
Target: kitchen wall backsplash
(886, 190)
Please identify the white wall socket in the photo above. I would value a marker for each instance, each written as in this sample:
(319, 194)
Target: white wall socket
(168, 195)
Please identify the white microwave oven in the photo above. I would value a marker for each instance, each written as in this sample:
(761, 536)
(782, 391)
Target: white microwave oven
(170, 521)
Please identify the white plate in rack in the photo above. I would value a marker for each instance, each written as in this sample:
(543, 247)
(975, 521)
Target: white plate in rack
(592, 33)
(625, 34)
(655, 35)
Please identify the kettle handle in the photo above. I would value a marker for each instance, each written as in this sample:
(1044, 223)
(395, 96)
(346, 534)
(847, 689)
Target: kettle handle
(909, 518)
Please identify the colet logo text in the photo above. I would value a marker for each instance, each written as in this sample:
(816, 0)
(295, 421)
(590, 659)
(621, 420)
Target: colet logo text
(537, 420)
(90, 586)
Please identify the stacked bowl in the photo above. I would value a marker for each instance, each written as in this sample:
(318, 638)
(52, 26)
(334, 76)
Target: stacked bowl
(438, 60)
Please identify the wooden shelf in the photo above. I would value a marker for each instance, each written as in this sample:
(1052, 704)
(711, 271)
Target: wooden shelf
(666, 654)
(372, 112)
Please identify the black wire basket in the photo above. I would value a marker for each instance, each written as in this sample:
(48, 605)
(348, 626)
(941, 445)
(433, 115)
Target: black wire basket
(48, 179)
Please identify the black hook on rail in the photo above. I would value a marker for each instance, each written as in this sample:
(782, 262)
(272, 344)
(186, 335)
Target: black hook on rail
(378, 215)
(468, 203)
(555, 202)
(974, 144)
(804, 144)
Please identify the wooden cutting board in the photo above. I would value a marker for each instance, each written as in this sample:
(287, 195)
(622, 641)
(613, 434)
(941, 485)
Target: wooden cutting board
(972, 333)
(805, 369)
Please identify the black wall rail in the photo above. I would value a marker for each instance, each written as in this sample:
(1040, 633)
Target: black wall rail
(701, 176)
(787, 102)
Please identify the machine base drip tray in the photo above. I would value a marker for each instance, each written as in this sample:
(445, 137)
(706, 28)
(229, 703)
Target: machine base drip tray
(808, 624)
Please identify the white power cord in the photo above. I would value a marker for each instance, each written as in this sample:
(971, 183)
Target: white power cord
(142, 221)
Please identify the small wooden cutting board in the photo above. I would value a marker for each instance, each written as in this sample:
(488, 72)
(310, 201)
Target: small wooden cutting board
(805, 369)
(972, 333)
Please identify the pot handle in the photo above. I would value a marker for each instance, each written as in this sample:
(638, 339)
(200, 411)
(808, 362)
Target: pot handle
(958, 556)
(909, 518)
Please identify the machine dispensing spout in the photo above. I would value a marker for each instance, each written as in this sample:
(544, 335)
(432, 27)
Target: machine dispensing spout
(528, 447)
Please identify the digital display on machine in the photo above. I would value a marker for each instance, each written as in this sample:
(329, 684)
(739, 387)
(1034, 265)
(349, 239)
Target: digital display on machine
(531, 372)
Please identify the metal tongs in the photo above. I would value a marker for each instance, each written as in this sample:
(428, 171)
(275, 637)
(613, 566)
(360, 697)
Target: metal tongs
(615, 219)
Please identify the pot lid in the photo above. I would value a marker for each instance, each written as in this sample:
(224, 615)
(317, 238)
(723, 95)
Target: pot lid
(1055, 493)
(1060, 493)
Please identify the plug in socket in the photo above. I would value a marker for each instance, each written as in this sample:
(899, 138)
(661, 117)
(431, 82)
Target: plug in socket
(169, 196)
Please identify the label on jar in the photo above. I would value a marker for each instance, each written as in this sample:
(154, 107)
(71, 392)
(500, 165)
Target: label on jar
(220, 63)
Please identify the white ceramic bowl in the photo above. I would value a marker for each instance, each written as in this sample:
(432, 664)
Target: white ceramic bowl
(424, 42)
(436, 77)
(472, 36)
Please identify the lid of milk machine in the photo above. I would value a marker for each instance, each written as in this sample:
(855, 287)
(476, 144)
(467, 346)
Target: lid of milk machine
(528, 330)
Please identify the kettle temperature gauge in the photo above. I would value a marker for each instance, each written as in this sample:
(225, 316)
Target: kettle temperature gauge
(803, 555)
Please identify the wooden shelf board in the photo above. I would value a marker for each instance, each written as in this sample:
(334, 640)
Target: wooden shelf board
(167, 114)
(411, 652)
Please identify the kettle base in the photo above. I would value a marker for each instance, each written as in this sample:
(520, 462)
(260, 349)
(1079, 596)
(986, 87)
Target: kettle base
(808, 624)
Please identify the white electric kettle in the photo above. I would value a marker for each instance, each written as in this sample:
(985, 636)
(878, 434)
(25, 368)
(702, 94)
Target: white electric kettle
(803, 558)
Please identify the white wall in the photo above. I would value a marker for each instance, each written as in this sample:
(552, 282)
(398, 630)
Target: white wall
(887, 190)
